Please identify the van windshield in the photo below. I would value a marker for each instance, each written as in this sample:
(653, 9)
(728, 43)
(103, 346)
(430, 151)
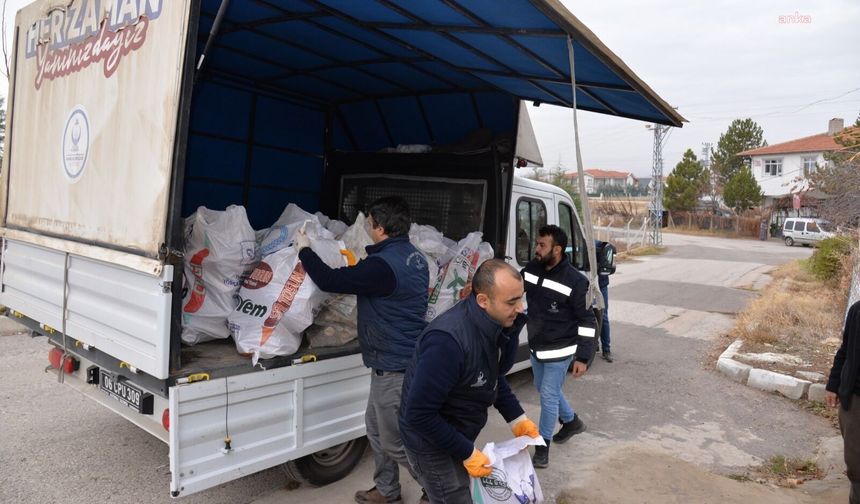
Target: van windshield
(824, 226)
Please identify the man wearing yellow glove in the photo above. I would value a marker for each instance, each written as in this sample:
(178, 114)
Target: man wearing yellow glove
(457, 373)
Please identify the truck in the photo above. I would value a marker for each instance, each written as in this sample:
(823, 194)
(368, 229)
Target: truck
(124, 116)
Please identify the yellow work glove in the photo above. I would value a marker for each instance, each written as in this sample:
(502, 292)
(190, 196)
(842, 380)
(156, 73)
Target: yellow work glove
(524, 427)
(478, 465)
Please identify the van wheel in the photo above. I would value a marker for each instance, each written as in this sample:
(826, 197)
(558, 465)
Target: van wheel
(329, 465)
(788, 241)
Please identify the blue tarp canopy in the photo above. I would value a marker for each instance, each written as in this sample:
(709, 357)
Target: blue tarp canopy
(285, 81)
(351, 51)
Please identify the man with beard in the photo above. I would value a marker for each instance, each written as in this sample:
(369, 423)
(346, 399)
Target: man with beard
(561, 328)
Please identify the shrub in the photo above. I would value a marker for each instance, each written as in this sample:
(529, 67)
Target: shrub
(827, 261)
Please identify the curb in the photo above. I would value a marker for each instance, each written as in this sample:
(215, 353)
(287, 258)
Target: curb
(763, 379)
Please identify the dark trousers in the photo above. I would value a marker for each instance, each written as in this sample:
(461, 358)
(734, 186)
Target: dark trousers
(444, 478)
(604, 330)
(849, 424)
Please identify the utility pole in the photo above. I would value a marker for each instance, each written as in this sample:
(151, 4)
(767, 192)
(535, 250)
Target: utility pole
(706, 155)
(655, 212)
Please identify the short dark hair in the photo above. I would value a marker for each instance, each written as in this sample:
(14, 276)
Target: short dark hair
(559, 237)
(484, 278)
(392, 214)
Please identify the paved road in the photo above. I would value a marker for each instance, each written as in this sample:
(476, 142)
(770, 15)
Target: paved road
(660, 395)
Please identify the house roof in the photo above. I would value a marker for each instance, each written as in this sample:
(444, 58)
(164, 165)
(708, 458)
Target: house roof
(815, 143)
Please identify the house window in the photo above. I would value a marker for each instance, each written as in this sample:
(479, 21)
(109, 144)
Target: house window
(773, 167)
(531, 216)
(809, 164)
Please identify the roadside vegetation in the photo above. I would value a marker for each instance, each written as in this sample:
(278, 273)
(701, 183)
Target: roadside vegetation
(782, 471)
(797, 319)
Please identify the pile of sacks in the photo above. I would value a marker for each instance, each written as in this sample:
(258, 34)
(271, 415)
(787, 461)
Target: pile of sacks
(251, 285)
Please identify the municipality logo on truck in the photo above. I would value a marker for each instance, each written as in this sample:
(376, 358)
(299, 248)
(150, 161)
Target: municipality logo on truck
(76, 143)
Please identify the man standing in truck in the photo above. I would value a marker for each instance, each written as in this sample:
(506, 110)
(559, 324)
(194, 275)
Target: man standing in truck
(561, 329)
(457, 373)
(391, 286)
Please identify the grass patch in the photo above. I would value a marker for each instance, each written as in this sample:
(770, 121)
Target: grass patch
(782, 471)
(647, 250)
(797, 314)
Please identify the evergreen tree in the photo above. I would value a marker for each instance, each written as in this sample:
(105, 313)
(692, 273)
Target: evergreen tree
(743, 134)
(742, 191)
(686, 184)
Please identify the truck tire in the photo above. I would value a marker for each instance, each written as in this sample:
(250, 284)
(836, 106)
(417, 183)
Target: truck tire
(329, 465)
(788, 241)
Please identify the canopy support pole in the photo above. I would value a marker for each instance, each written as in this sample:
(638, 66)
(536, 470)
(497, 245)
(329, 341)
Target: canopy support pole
(213, 32)
(587, 227)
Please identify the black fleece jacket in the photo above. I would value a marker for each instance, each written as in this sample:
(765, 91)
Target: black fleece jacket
(844, 377)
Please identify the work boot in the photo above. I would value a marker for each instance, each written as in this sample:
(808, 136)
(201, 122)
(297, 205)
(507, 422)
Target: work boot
(607, 356)
(373, 496)
(541, 456)
(569, 429)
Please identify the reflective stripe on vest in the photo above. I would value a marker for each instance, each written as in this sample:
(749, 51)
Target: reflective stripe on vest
(555, 354)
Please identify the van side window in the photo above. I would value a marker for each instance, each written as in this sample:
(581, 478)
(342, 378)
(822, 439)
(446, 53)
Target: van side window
(798, 226)
(811, 227)
(531, 216)
(789, 225)
(576, 243)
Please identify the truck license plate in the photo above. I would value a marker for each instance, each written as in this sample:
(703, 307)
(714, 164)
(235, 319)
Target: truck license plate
(123, 391)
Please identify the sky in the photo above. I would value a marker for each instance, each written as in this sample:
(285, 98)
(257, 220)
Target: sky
(714, 61)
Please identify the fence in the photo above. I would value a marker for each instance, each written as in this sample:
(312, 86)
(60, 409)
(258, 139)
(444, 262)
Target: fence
(747, 225)
(624, 235)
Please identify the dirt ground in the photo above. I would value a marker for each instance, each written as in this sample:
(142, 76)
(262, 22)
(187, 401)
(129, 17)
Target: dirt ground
(632, 475)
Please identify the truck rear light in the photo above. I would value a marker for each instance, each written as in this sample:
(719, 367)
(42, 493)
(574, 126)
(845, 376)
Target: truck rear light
(55, 357)
(165, 419)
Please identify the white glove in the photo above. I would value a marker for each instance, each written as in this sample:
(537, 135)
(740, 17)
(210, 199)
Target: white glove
(302, 241)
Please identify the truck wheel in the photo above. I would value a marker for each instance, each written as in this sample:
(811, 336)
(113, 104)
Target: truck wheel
(329, 465)
(788, 241)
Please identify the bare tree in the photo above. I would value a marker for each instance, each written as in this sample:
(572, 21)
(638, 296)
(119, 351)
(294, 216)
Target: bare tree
(839, 180)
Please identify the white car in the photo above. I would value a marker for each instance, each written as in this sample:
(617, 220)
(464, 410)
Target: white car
(805, 231)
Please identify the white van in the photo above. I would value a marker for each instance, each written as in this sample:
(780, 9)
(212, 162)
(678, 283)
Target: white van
(126, 116)
(805, 231)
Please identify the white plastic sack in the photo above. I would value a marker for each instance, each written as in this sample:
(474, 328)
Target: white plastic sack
(467, 255)
(514, 479)
(283, 230)
(279, 300)
(220, 251)
(356, 238)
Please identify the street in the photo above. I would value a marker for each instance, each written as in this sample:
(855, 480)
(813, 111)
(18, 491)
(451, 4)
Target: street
(659, 418)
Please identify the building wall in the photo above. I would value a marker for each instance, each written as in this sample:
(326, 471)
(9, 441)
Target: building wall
(792, 179)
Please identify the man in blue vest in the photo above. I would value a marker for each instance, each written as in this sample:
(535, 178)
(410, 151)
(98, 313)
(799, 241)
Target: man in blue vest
(391, 285)
(457, 373)
(561, 329)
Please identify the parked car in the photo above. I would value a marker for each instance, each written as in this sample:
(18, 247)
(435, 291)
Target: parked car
(805, 231)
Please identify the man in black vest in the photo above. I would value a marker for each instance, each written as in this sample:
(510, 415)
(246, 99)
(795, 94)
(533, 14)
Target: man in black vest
(457, 373)
(391, 285)
(561, 327)
(843, 388)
